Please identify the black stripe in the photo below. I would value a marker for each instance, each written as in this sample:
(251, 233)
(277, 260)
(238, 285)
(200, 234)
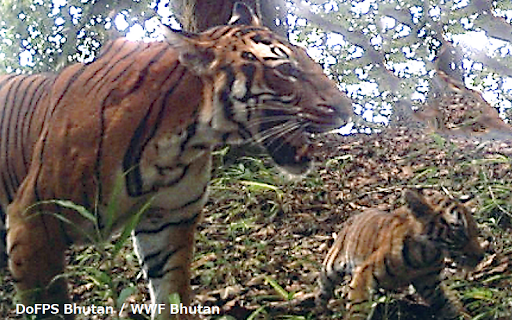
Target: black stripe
(258, 37)
(39, 92)
(106, 69)
(173, 182)
(218, 32)
(45, 107)
(20, 124)
(406, 254)
(156, 270)
(184, 222)
(74, 77)
(164, 272)
(10, 100)
(377, 231)
(225, 95)
(388, 266)
(86, 197)
(104, 51)
(140, 81)
(191, 131)
(6, 78)
(19, 97)
(151, 256)
(248, 70)
(227, 104)
(140, 138)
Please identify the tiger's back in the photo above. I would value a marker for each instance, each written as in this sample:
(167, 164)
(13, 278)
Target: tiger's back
(354, 247)
(17, 143)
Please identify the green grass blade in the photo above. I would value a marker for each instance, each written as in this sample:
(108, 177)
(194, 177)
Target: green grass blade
(129, 227)
(113, 203)
(83, 211)
(280, 290)
(256, 313)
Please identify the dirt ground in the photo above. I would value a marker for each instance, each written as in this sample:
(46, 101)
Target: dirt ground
(263, 237)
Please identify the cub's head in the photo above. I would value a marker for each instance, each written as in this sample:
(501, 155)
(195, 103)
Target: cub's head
(449, 224)
(264, 89)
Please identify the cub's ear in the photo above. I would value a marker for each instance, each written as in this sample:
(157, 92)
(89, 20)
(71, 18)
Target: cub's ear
(193, 53)
(418, 204)
(243, 15)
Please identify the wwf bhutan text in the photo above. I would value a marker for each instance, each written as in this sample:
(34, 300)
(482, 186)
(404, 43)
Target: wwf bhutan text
(148, 309)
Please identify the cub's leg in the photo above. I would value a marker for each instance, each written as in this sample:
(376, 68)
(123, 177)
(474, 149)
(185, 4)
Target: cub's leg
(36, 248)
(429, 287)
(360, 290)
(165, 251)
(329, 278)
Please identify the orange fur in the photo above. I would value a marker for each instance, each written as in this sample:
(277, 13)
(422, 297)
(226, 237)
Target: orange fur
(149, 113)
(390, 250)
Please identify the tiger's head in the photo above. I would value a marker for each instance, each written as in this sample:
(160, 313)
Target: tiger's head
(451, 225)
(265, 90)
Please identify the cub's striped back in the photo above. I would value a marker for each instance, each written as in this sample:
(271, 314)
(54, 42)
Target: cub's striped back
(390, 250)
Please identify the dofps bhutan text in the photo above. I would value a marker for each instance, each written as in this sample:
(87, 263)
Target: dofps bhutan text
(68, 308)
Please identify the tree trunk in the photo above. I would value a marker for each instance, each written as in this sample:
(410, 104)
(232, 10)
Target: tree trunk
(200, 15)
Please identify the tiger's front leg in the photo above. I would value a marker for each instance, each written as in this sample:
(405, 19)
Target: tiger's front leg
(327, 281)
(165, 251)
(430, 288)
(36, 248)
(359, 293)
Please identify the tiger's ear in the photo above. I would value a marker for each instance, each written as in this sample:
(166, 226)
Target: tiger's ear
(243, 15)
(417, 204)
(194, 54)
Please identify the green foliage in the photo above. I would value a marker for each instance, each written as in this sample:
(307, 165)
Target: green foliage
(378, 51)
(46, 35)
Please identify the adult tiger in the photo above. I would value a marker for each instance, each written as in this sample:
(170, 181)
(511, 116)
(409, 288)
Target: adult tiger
(150, 112)
(392, 250)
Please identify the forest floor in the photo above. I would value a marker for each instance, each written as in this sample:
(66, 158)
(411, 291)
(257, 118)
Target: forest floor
(264, 236)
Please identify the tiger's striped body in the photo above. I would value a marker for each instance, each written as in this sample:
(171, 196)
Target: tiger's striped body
(458, 110)
(407, 246)
(149, 113)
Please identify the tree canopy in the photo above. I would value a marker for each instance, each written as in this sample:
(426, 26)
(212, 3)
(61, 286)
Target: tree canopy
(379, 51)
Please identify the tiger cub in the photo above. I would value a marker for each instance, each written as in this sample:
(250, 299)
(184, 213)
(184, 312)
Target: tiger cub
(407, 246)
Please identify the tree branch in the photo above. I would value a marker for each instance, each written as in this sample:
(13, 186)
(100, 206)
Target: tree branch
(495, 27)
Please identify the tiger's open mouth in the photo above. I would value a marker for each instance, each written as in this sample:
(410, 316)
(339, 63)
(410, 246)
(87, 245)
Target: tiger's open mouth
(288, 141)
(295, 159)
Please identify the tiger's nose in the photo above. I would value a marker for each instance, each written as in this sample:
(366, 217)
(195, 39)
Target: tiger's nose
(325, 117)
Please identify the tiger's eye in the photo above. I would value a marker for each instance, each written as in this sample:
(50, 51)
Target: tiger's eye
(249, 56)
